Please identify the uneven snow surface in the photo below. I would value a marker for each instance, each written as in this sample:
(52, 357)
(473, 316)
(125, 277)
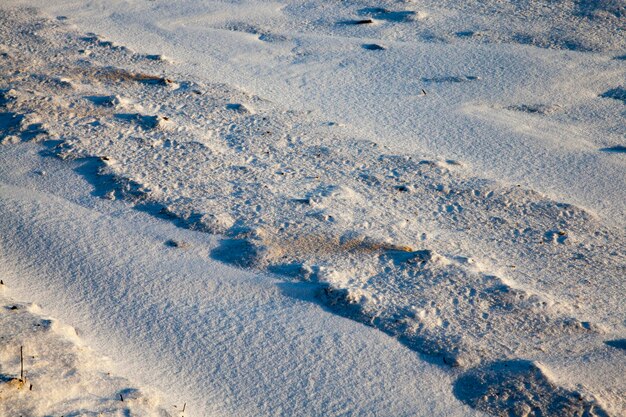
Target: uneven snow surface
(221, 220)
(58, 376)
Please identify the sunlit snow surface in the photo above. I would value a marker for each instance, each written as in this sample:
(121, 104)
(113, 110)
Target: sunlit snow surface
(416, 167)
(45, 369)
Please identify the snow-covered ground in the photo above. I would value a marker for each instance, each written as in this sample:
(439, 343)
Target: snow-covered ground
(318, 208)
(223, 341)
(47, 370)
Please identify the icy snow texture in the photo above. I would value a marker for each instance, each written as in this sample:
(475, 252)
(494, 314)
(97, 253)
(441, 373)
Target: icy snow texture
(474, 272)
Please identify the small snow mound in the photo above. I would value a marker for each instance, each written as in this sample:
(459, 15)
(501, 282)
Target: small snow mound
(329, 193)
(217, 223)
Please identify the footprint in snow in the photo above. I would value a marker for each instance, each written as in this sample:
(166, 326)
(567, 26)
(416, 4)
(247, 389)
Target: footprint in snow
(271, 37)
(380, 13)
(144, 122)
(254, 30)
(373, 47)
(171, 243)
(104, 101)
(467, 34)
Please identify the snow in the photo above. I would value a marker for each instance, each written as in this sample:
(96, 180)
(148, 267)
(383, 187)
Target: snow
(59, 375)
(221, 340)
(325, 208)
(308, 61)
